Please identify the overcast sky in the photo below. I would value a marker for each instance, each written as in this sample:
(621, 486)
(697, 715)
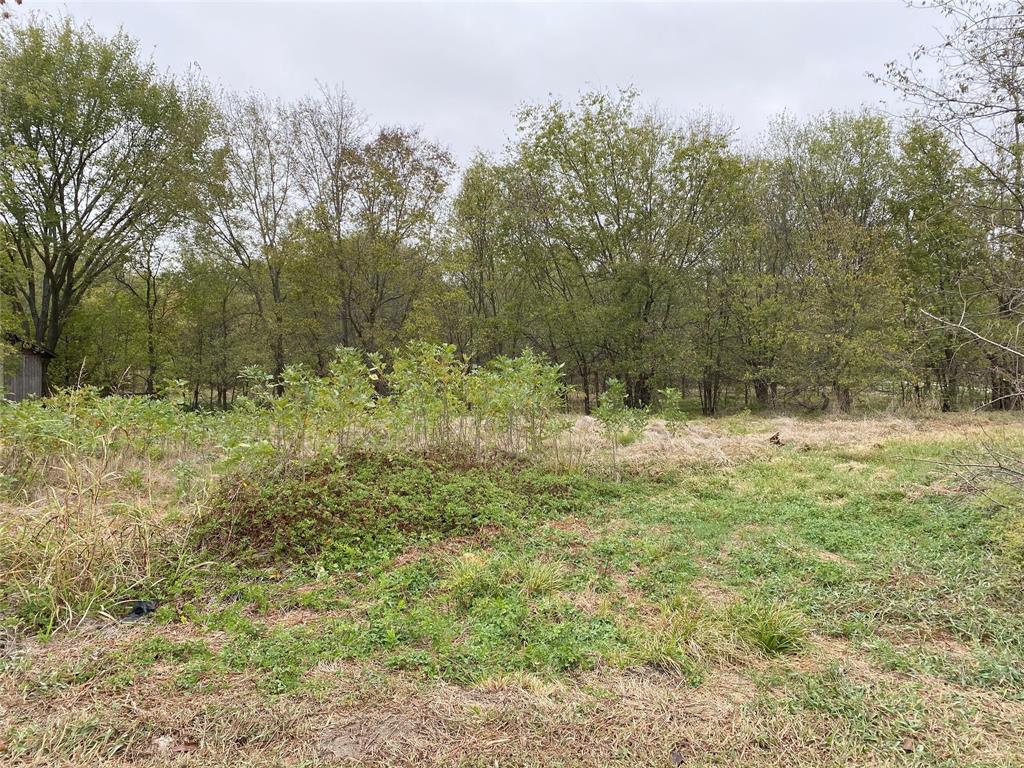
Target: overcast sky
(460, 70)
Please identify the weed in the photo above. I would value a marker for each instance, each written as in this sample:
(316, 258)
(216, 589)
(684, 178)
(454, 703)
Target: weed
(538, 578)
(471, 576)
(681, 638)
(770, 627)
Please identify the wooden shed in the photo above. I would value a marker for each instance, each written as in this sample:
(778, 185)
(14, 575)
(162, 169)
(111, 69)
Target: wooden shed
(22, 372)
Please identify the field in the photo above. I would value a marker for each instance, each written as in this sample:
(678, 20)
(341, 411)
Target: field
(714, 599)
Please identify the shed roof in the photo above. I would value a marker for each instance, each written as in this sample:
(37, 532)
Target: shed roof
(27, 345)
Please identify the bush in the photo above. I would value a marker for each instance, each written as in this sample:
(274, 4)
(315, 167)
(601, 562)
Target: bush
(622, 425)
(361, 508)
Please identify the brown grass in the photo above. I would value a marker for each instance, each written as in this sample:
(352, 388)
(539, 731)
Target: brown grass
(733, 440)
(363, 715)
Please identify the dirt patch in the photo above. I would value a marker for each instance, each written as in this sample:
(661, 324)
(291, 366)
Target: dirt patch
(367, 737)
(831, 557)
(716, 595)
(824, 651)
(588, 600)
(450, 546)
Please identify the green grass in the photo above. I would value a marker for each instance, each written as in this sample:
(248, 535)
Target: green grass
(866, 614)
(770, 627)
(358, 510)
(802, 547)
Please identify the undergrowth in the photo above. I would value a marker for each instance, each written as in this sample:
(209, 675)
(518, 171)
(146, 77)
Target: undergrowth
(357, 509)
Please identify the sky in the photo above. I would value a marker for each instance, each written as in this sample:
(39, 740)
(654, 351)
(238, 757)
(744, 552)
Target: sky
(459, 71)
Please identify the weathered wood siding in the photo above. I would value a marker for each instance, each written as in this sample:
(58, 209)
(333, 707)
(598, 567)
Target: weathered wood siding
(27, 380)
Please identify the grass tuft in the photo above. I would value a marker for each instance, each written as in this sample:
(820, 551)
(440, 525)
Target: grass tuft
(472, 575)
(538, 577)
(770, 627)
(680, 639)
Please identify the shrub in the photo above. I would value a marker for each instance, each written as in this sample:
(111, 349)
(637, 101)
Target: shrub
(622, 425)
(513, 400)
(670, 405)
(428, 384)
(361, 508)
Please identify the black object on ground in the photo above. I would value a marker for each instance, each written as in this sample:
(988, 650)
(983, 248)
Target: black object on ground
(139, 609)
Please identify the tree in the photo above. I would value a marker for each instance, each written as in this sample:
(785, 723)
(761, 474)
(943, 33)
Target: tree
(977, 98)
(251, 205)
(763, 268)
(942, 249)
(482, 264)
(216, 327)
(617, 205)
(389, 256)
(97, 151)
(843, 329)
(142, 277)
(328, 138)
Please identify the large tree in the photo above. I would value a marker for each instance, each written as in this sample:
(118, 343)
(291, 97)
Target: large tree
(842, 330)
(941, 252)
(618, 204)
(327, 143)
(97, 151)
(389, 257)
(252, 201)
(971, 86)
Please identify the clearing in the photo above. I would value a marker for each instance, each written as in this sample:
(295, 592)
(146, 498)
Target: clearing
(836, 600)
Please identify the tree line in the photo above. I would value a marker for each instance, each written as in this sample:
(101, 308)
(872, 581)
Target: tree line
(156, 229)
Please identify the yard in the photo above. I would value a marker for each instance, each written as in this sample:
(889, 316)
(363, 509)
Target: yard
(839, 599)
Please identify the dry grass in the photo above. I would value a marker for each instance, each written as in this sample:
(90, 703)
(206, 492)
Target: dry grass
(732, 440)
(62, 561)
(60, 706)
(363, 715)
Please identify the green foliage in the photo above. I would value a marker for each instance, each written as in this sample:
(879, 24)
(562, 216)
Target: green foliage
(670, 405)
(37, 437)
(771, 628)
(515, 400)
(622, 425)
(97, 150)
(429, 382)
(357, 510)
(614, 239)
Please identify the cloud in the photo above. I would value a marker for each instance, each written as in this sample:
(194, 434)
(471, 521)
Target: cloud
(460, 70)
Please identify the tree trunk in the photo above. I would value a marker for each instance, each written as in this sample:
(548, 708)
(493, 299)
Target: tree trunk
(585, 378)
(638, 391)
(1005, 395)
(842, 397)
(764, 393)
(150, 352)
(949, 381)
(709, 390)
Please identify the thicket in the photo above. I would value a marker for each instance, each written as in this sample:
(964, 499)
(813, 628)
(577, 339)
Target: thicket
(360, 509)
(427, 399)
(101, 495)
